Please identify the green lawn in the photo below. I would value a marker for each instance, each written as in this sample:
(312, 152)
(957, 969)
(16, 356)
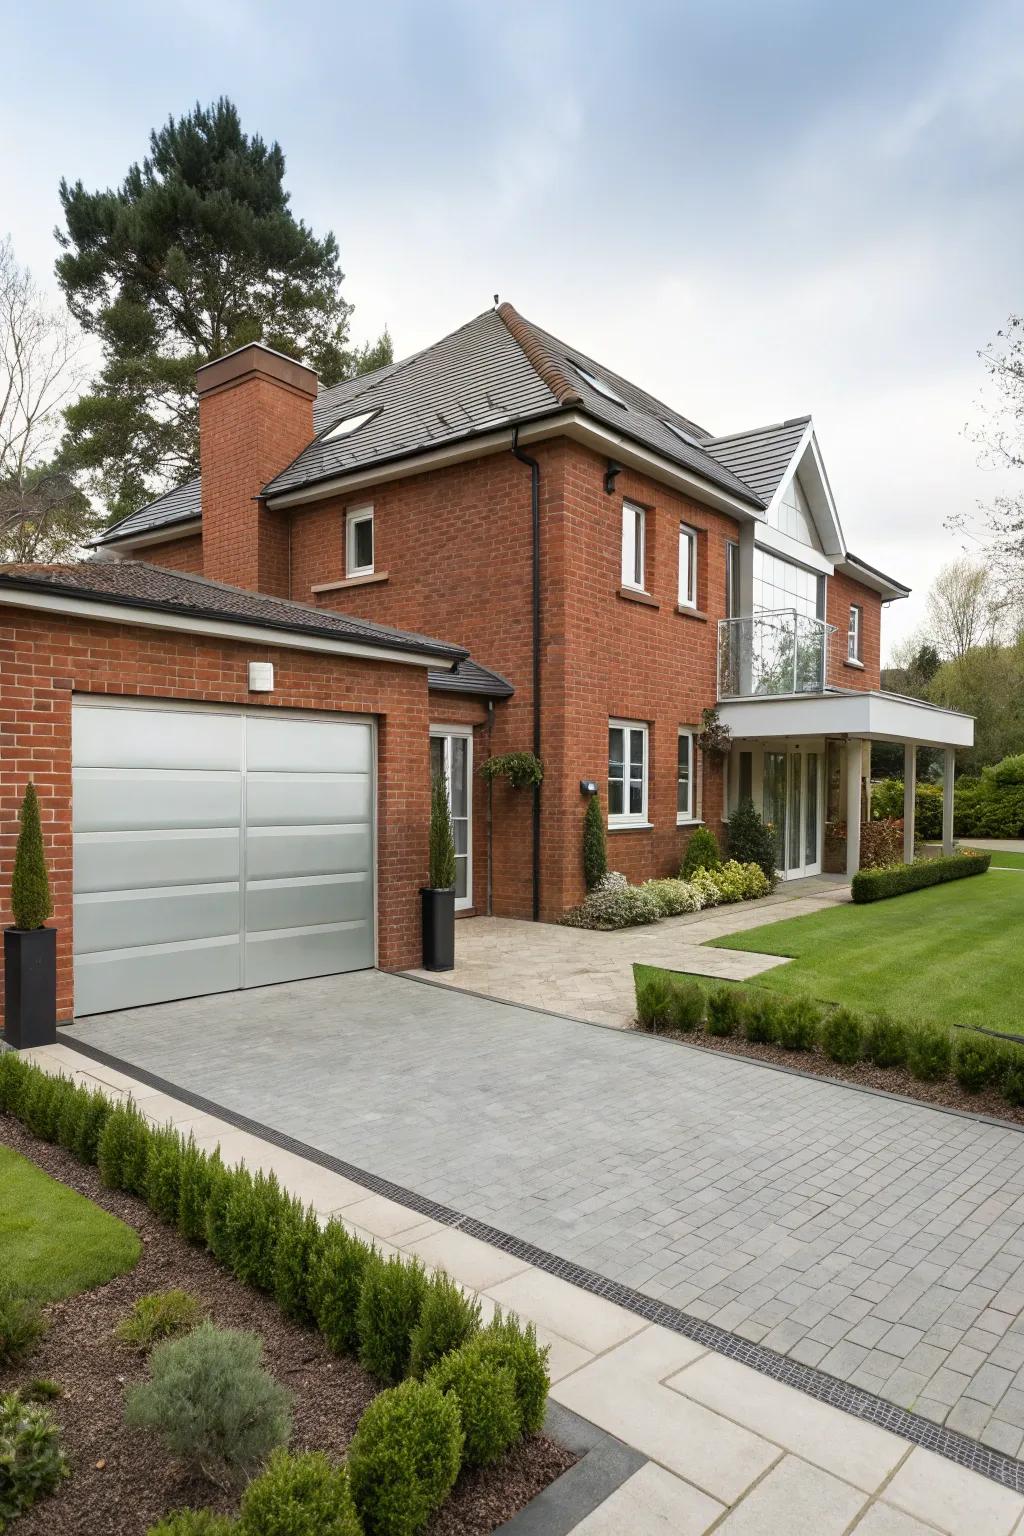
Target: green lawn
(54, 1242)
(953, 953)
(1005, 860)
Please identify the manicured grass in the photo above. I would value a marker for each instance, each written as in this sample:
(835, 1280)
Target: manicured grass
(951, 953)
(54, 1242)
(1004, 860)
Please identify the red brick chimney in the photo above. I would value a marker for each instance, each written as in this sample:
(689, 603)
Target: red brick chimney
(255, 417)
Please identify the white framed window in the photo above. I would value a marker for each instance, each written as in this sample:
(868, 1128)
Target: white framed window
(856, 633)
(348, 425)
(634, 542)
(359, 542)
(687, 566)
(686, 777)
(451, 755)
(627, 773)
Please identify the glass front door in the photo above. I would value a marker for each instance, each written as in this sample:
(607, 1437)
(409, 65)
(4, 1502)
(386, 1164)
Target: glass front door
(791, 805)
(451, 754)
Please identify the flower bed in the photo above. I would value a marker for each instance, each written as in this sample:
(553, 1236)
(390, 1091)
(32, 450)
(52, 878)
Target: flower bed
(959, 1068)
(614, 903)
(478, 1421)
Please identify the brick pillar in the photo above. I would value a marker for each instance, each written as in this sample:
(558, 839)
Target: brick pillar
(255, 417)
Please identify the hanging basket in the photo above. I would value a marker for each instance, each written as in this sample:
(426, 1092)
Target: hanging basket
(714, 738)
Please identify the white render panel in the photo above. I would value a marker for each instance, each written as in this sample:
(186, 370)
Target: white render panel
(878, 716)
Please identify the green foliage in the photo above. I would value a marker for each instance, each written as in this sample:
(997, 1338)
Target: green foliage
(441, 876)
(881, 844)
(735, 882)
(702, 852)
(725, 1010)
(194, 1181)
(298, 1246)
(798, 1023)
(22, 1325)
(195, 253)
(1010, 770)
(610, 907)
(674, 897)
(595, 843)
(31, 903)
(505, 1343)
(404, 1458)
(253, 1213)
(761, 1018)
(212, 1403)
(31, 1460)
(163, 1173)
(448, 1318)
(80, 1122)
(195, 1522)
(390, 1303)
(751, 841)
(979, 1061)
(653, 1000)
(523, 770)
(929, 1052)
(42, 1104)
(16, 1077)
(885, 1041)
(299, 1495)
(879, 884)
(842, 1036)
(335, 1286)
(686, 1005)
(160, 1315)
(123, 1150)
(1013, 1084)
(488, 1407)
(68, 1116)
(218, 1199)
(42, 1390)
(887, 805)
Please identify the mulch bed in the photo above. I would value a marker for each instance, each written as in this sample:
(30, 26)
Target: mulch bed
(122, 1481)
(947, 1094)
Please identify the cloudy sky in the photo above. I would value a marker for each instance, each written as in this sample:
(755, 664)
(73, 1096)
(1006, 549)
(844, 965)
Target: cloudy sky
(753, 210)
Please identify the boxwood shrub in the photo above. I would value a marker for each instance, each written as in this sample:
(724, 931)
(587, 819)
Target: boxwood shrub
(842, 1037)
(897, 879)
(797, 1024)
(404, 1458)
(885, 1041)
(929, 1052)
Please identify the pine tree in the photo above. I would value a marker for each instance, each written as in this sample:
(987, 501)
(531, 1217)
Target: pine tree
(595, 851)
(196, 253)
(442, 843)
(30, 888)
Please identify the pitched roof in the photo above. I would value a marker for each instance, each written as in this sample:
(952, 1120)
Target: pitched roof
(182, 505)
(761, 456)
(469, 677)
(136, 584)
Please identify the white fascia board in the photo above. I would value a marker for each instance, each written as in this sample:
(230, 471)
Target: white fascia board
(115, 546)
(219, 629)
(791, 549)
(874, 716)
(816, 489)
(574, 424)
(889, 591)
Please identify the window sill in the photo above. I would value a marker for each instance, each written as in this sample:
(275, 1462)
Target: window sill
(689, 821)
(631, 826)
(631, 595)
(691, 613)
(857, 665)
(350, 581)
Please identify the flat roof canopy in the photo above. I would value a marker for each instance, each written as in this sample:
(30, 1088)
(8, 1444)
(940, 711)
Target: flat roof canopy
(875, 716)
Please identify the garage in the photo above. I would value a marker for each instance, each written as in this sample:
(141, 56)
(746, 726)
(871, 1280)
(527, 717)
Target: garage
(217, 848)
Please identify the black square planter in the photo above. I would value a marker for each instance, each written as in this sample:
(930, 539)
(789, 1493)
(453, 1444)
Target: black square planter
(30, 986)
(438, 929)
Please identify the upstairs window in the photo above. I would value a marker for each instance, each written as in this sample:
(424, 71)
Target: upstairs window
(627, 773)
(855, 638)
(359, 542)
(634, 535)
(687, 566)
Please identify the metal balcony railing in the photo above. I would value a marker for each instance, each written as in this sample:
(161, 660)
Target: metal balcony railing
(772, 654)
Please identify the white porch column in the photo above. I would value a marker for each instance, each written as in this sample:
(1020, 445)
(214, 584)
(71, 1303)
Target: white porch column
(909, 798)
(854, 774)
(948, 777)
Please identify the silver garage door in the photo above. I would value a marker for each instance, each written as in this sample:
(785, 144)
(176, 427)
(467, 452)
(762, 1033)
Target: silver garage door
(217, 849)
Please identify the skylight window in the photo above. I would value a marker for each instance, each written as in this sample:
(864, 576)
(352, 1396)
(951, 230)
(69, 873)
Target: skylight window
(684, 436)
(348, 425)
(600, 385)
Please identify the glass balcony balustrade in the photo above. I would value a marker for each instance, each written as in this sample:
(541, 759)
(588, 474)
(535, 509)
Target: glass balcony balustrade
(772, 654)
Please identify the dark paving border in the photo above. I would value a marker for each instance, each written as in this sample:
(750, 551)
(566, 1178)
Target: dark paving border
(604, 1465)
(956, 1447)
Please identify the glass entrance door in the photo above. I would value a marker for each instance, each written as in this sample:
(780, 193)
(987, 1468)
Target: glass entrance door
(451, 755)
(791, 805)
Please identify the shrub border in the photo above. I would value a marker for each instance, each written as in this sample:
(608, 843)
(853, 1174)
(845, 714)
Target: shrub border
(899, 879)
(959, 1448)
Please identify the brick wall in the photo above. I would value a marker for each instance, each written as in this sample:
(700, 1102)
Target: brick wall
(176, 555)
(842, 590)
(45, 660)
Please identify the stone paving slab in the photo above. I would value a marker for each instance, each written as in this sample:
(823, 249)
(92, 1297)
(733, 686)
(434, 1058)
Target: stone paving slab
(878, 1240)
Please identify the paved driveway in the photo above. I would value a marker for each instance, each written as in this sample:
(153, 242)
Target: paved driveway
(878, 1240)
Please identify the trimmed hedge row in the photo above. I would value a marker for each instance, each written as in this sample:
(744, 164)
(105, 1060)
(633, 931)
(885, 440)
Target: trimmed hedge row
(930, 1052)
(897, 879)
(404, 1326)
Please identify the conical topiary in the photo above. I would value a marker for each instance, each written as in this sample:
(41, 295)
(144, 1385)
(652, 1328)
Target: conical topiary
(30, 887)
(595, 851)
(442, 843)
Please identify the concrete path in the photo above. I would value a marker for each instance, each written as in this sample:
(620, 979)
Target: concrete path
(589, 975)
(728, 1450)
(878, 1240)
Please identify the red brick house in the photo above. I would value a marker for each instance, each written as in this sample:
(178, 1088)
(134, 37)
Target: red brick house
(496, 545)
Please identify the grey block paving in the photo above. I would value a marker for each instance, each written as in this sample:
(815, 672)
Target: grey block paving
(880, 1241)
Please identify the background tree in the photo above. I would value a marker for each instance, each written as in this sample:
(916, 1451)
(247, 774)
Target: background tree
(196, 253)
(964, 609)
(43, 516)
(999, 434)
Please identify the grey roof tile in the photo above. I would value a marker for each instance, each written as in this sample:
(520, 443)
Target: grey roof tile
(470, 677)
(138, 584)
(177, 506)
(761, 456)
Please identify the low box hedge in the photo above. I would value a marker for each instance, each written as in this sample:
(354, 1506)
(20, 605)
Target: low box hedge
(897, 879)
